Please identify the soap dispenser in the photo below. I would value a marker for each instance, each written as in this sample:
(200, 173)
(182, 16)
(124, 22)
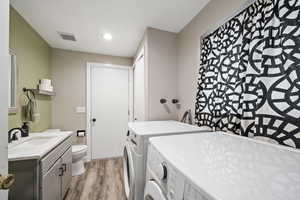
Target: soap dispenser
(25, 130)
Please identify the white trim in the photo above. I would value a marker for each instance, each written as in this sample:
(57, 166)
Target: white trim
(88, 98)
(105, 65)
(130, 93)
(140, 55)
(88, 111)
(13, 109)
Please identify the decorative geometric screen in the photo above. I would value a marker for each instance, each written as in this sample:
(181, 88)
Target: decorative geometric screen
(249, 77)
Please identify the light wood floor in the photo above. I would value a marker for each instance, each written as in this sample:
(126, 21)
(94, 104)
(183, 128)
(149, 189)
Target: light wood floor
(103, 180)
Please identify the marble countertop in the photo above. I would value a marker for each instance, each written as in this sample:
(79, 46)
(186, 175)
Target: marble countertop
(36, 145)
(229, 167)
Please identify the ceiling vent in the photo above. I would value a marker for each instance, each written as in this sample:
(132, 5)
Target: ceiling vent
(67, 36)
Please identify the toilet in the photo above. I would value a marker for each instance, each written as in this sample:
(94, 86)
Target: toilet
(79, 153)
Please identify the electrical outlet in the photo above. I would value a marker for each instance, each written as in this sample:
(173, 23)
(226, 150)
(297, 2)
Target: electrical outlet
(80, 109)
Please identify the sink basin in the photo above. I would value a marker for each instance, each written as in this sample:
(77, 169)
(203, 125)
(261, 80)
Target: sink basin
(31, 142)
(35, 146)
(37, 141)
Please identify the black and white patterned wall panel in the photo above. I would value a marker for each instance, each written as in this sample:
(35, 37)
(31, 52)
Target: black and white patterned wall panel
(249, 77)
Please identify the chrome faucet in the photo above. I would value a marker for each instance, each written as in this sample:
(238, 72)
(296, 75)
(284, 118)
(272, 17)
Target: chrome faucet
(12, 134)
(187, 117)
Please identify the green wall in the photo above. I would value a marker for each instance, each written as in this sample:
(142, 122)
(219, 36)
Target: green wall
(34, 62)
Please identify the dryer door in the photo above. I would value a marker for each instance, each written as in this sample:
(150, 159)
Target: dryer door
(153, 191)
(128, 171)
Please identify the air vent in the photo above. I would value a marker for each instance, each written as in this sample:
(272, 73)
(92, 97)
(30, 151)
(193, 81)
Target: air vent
(67, 36)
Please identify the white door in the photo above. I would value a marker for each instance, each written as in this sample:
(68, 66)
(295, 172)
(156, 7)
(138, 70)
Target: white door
(4, 21)
(109, 110)
(139, 88)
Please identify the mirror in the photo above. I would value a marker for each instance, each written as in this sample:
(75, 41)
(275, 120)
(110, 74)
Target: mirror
(13, 79)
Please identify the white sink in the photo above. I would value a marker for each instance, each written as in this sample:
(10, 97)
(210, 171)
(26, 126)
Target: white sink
(38, 140)
(29, 143)
(35, 146)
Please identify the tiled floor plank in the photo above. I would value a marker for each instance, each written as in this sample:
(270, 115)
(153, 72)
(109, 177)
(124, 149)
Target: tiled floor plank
(103, 180)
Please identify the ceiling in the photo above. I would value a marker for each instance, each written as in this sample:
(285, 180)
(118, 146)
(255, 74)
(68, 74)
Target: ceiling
(126, 20)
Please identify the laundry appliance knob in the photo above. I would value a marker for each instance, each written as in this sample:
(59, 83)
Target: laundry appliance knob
(162, 172)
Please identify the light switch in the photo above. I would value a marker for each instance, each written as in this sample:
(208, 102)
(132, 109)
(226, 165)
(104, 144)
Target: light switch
(80, 109)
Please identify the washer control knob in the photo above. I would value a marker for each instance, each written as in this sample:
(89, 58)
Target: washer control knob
(162, 172)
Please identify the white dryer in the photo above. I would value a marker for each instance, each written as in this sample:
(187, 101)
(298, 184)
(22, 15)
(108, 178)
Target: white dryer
(135, 150)
(224, 166)
(163, 180)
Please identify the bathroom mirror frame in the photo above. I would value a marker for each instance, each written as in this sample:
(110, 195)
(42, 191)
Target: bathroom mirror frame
(13, 83)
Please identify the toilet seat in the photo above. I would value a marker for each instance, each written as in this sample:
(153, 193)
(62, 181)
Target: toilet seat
(79, 149)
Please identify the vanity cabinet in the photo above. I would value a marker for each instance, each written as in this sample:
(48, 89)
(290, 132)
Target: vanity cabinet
(47, 178)
(56, 181)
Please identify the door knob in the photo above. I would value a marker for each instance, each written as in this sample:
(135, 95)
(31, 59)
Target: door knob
(94, 120)
(6, 181)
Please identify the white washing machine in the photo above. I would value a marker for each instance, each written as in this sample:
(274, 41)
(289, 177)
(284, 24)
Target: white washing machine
(163, 180)
(135, 151)
(223, 166)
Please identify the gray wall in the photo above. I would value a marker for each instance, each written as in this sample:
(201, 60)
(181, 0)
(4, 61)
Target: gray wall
(162, 73)
(69, 80)
(189, 47)
(160, 49)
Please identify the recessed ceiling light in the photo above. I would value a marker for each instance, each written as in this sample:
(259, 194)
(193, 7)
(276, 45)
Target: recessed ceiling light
(107, 36)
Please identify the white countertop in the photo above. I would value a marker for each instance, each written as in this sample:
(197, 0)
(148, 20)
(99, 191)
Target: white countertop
(42, 144)
(163, 127)
(229, 167)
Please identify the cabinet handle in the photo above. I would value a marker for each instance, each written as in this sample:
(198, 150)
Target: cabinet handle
(64, 165)
(61, 171)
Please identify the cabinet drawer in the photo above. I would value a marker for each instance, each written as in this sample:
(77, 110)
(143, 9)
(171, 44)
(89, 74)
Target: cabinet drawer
(48, 161)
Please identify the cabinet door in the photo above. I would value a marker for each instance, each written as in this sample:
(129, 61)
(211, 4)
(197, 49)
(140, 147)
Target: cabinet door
(51, 183)
(66, 163)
